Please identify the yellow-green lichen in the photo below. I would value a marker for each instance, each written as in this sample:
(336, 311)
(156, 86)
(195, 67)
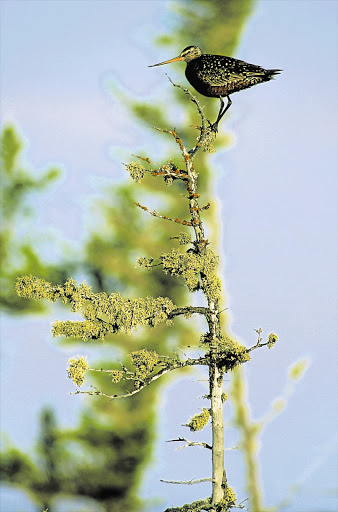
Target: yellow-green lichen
(229, 500)
(208, 142)
(144, 362)
(272, 338)
(230, 353)
(136, 171)
(167, 170)
(197, 269)
(116, 375)
(184, 238)
(199, 421)
(146, 263)
(103, 314)
(77, 369)
(31, 287)
(224, 397)
(86, 330)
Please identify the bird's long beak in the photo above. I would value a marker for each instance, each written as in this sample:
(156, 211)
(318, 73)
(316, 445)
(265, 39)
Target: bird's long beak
(167, 61)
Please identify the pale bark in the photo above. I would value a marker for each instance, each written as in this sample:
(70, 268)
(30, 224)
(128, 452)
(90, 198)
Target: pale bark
(216, 381)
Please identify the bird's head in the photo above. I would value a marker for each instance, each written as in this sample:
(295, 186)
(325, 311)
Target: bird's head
(189, 53)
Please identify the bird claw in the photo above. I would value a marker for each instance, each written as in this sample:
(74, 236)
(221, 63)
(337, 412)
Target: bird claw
(213, 127)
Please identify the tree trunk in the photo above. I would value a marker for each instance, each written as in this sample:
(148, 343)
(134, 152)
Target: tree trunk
(216, 382)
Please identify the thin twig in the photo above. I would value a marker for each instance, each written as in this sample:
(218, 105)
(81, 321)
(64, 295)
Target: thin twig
(258, 345)
(165, 217)
(145, 159)
(190, 443)
(239, 505)
(183, 149)
(187, 482)
(259, 341)
(203, 132)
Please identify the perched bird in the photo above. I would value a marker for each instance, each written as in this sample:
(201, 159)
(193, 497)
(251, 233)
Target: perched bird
(218, 76)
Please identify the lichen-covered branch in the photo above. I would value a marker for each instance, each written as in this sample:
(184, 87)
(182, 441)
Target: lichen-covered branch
(154, 213)
(103, 314)
(141, 377)
(196, 506)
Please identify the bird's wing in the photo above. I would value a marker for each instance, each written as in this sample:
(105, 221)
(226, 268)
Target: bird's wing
(232, 71)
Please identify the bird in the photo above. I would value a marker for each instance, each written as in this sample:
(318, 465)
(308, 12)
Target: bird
(218, 76)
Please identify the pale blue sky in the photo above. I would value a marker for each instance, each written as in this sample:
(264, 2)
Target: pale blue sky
(278, 182)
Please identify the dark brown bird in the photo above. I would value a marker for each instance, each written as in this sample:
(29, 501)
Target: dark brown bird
(218, 76)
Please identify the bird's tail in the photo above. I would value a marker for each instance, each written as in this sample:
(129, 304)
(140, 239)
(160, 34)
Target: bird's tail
(270, 73)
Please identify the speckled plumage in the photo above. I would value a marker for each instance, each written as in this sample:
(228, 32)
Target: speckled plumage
(218, 76)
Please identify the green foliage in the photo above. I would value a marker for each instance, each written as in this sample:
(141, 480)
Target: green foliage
(90, 461)
(16, 467)
(249, 441)
(298, 369)
(199, 421)
(202, 23)
(44, 477)
(18, 251)
(10, 148)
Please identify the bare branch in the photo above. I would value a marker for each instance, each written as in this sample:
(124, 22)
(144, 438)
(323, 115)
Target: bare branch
(258, 345)
(240, 505)
(259, 341)
(146, 159)
(189, 443)
(204, 128)
(165, 217)
(183, 149)
(187, 482)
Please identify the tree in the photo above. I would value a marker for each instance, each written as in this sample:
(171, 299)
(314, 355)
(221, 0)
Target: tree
(110, 314)
(17, 238)
(123, 234)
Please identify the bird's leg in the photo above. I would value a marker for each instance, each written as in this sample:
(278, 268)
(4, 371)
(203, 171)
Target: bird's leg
(221, 113)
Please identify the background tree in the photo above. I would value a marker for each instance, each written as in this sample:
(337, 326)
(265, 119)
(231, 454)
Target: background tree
(17, 236)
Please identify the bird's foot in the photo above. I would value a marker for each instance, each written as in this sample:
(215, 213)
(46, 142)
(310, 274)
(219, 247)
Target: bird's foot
(213, 127)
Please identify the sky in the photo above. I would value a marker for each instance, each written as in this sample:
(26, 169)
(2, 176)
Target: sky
(277, 184)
